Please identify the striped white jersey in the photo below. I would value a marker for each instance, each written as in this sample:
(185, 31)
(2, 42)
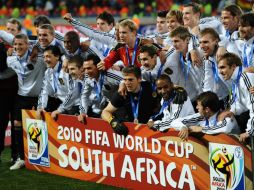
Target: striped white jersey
(226, 36)
(186, 74)
(29, 80)
(53, 43)
(97, 93)
(151, 75)
(209, 126)
(172, 112)
(154, 37)
(8, 38)
(211, 22)
(244, 100)
(193, 42)
(79, 52)
(59, 84)
(102, 41)
(213, 81)
(107, 38)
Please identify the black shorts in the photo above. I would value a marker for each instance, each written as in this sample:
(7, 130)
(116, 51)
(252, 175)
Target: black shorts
(24, 102)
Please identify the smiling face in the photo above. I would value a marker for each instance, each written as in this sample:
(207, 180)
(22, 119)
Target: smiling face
(147, 61)
(74, 71)
(45, 37)
(201, 110)
(172, 23)
(189, 17)
(208, 44)
(12, 28)
(225, 70)
(50, 59)
(90, 69)
(71, 45)
(246, 32)
(164, 88)
(20, 46)
(229, 21)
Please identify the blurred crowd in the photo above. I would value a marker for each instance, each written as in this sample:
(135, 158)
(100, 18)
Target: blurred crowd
(121, 8)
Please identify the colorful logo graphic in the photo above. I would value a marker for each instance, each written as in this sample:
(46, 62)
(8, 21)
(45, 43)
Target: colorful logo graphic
(37, 138)
(226, 166)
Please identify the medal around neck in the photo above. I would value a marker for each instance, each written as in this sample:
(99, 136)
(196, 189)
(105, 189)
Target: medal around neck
(154, 94)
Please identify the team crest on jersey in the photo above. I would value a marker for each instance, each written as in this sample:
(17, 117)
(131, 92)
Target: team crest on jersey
(61, 81)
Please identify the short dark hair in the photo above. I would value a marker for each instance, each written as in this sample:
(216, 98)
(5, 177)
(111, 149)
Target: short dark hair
(209, 99)
(15, 21)
(77, 60)
(40, 20)
(180, 31)
(234, 10)
(106, 17)
(92, 57)
(55, 50)
(48, 27)
(150, 49)
(195, 7)
(72, 35)
(164, 77)
(210, 31)
(247, 20)
(132, 69)
(231, 59)
(162, 13)
(21, 36)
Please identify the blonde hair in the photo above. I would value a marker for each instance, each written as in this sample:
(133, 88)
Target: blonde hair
(177, 14)
(130, 24)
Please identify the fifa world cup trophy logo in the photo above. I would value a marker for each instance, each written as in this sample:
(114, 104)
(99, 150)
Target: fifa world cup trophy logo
(222, 164)
(35, 136)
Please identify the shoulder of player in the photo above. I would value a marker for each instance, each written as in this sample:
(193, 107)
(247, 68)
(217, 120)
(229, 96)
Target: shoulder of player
(119, 45)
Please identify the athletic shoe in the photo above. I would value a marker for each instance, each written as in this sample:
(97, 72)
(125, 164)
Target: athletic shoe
(18, 164)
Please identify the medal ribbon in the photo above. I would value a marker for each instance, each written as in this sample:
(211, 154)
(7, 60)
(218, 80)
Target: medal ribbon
(215, 71)
(165, 104)
(247, 63)
(135, 106)
(185, 72)
(134, 53)
(235, 84)
(98, 88)
(56, 76)
(154, 87)
(23, 72)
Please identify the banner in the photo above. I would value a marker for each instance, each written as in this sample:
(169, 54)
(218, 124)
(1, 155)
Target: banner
(7, 140)
(144, 159)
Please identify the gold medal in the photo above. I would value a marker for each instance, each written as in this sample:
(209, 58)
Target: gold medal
(135, 121)
(154, 94)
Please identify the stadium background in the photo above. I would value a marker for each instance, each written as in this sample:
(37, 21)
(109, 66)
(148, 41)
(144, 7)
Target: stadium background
(143, 12)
